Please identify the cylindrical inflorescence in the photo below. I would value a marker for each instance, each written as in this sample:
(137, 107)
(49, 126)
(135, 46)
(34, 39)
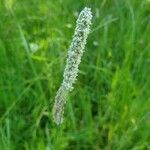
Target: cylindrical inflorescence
(75, 53)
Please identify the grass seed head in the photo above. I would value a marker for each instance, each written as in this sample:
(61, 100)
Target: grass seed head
(75, 53)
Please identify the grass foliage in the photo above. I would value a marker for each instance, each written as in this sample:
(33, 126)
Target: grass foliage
(109, 107)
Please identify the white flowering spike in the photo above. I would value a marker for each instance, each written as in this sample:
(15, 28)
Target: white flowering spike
(75, 53)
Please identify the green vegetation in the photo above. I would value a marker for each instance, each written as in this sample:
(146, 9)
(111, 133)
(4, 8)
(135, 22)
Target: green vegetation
(109, 107)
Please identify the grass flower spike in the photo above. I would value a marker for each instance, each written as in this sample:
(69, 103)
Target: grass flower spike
(75, 53)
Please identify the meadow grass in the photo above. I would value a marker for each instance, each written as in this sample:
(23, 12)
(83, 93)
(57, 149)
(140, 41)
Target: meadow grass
(109, 106)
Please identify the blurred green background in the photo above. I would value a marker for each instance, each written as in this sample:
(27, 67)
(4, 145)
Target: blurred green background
(109, 108)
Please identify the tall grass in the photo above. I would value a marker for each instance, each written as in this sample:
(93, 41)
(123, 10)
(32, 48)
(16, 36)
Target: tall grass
(109, 108)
